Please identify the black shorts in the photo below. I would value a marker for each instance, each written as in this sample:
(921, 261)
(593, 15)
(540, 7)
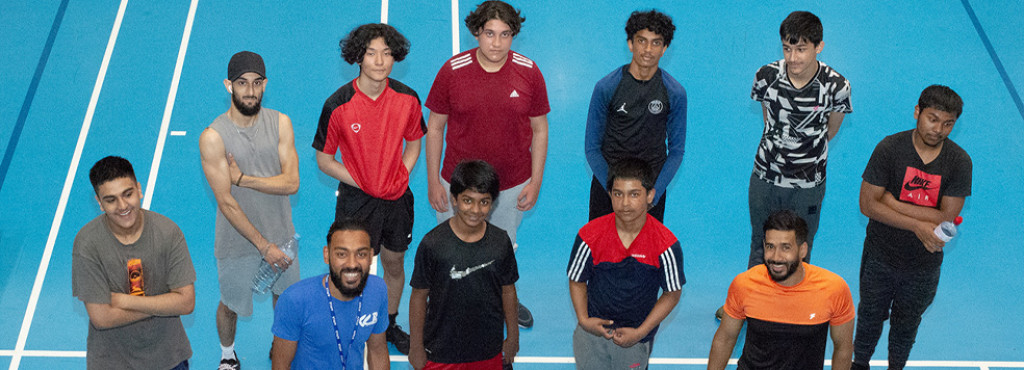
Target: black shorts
(389, 221)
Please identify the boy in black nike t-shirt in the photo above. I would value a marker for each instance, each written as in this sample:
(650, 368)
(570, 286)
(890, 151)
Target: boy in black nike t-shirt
(914, 180)
(463, 282)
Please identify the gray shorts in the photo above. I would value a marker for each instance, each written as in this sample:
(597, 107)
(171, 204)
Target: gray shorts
(504, 214)
(594, 352)
(235, 277)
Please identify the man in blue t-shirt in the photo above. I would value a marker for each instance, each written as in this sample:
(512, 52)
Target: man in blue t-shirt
(322, 322)
(634, 111)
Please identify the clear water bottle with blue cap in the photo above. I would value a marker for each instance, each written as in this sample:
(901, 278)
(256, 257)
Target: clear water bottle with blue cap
(947, 230)
(266, 276)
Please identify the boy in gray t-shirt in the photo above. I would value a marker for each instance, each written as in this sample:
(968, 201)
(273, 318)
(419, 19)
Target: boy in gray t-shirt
(132, 269)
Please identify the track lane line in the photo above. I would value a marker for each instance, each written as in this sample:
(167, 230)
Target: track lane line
(165, 123)
(69, 181)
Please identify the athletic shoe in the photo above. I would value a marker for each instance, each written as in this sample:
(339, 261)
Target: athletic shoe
(857, 366)
(525, 317)
(230, 364)
(719, 313)
(506, 366)
(397, 337)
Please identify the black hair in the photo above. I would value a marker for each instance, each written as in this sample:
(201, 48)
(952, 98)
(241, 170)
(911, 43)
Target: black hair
(801, 25)
(651, 20)
(353, 46)
(477, 176)
(346, 224)
(110, 168)
(632, 169)
(942, 98)
(786, 220)
(494, 9)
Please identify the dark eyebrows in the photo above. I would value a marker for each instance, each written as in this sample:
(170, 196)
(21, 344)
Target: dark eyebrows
(243, 79)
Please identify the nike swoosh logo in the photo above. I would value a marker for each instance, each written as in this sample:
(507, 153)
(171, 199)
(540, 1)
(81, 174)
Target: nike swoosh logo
(456, 274)
(909, 187)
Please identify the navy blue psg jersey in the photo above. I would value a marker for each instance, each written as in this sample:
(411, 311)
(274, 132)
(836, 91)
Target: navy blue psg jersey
(630, 118)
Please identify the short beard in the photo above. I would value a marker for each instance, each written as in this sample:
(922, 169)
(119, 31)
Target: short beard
(349, 292)
(243, 109)
(790, 269)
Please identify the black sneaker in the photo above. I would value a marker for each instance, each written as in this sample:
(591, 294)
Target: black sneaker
(719, 313)
(506, 366)
(230, 364)
(525, 317)
(398, 337)
(857, 366)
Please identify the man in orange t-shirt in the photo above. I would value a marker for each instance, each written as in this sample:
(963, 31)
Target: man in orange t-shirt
(790, 307)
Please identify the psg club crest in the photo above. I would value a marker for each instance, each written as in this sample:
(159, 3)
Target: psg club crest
(655, 106)
(356, 127)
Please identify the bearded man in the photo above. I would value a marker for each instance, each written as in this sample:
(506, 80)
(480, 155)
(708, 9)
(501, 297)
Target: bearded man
(322, 322)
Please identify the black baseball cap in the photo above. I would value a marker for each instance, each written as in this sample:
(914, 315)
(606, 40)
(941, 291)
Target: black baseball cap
(244, 62)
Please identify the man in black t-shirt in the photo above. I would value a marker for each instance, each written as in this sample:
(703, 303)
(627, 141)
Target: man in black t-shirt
(463, 282)
(914, 180)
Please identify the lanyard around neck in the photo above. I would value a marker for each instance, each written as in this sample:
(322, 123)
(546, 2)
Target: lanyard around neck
(334, 320)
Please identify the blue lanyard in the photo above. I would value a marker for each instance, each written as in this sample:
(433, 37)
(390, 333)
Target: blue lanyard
(334, 320)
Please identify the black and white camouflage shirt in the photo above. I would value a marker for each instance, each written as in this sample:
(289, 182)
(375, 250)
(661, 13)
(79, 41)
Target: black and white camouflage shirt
(794, 147)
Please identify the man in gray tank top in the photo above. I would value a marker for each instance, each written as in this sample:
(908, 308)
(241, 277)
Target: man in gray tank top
(248, 156)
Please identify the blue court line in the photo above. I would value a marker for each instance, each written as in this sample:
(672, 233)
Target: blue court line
(30, 95)
(995, 58)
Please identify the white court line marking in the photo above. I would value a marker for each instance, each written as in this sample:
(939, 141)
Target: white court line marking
(34, 353)
(983, 365)
(69, 181)
(178, 133)
(455, 27)
(169, 107)
(384, 11)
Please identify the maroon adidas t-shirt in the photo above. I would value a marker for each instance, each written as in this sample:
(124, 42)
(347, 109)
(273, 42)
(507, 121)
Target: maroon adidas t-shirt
(489, 113)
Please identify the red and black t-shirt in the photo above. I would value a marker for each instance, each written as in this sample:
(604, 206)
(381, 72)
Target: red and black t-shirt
(369, 134)
(787, 327)
(896, 166)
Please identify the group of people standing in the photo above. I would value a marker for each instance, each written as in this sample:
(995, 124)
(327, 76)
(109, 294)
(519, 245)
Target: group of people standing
(488, 116)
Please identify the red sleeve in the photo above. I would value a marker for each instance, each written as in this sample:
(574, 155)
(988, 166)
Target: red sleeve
(438, 99)
(415, 127)
(540, 105)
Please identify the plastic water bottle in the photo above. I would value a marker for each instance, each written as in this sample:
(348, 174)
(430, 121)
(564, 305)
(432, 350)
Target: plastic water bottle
(947, 230)
(266, 276)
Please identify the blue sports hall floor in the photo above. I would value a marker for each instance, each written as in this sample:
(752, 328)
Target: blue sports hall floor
(141, 79)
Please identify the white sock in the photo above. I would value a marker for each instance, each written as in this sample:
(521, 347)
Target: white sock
(227, 353)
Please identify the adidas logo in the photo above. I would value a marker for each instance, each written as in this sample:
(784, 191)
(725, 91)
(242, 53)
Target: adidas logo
(514, 94)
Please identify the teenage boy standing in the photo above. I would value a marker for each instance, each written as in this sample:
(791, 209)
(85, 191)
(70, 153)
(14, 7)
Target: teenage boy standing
(490, 103)
(368, 120)
(464, 291)
(634, 111)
